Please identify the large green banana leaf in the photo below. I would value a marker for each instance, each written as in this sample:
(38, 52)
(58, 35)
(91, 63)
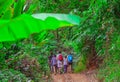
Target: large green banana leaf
(24, 25)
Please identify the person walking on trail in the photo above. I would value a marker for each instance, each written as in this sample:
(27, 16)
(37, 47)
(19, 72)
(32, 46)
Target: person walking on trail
(65, 63)
(60, 65)
(50, 62)
(59, 62)
(70, 61)
(54, 64)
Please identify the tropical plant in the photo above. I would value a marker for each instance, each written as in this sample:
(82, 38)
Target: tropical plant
(98, 35)
(95, 42)
(12, 76)
(16, 23)
(26, 24)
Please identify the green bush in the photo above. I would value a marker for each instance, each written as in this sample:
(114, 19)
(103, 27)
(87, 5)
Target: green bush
(81, 64)
(27, 65)
(2, 61)
(11, 75)
(109, 71)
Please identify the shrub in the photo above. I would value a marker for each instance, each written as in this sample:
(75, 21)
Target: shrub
(11, 75)
(81, 64)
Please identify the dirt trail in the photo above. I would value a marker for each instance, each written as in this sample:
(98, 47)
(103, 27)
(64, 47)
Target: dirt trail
(83, 77)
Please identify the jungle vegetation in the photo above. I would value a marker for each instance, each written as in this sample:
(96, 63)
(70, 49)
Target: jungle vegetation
(95, 42)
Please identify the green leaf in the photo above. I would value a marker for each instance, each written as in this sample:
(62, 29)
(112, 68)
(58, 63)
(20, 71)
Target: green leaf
(24, 25)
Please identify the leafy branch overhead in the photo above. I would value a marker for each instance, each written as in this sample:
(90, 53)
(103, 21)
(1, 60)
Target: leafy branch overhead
(24, 25)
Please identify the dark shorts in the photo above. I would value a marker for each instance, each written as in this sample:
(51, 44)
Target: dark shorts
(55, 65)
(70, 63)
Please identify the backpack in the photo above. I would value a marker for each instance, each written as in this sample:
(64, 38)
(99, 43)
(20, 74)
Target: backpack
(60, 57)
(70, 58)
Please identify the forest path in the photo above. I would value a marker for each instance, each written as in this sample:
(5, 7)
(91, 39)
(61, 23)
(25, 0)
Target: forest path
(89, 76)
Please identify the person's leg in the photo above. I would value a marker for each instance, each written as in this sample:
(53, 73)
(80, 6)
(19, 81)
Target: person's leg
(55, 69)
(65, 68)
(71, 67)
(59, 70)
(52, 70)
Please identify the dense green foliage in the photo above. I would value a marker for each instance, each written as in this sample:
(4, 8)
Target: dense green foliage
(12, 76)
(95, 43)
(99, 35)
(21, 55)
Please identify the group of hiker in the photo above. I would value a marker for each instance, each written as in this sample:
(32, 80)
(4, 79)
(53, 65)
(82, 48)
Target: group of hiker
(59, 63)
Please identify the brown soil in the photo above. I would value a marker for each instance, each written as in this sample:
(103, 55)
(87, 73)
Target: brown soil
(89, 76)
